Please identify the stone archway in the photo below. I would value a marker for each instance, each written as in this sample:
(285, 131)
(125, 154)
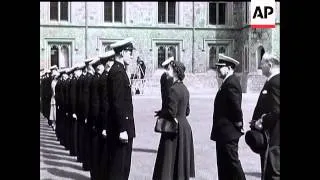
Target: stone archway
(260, 52)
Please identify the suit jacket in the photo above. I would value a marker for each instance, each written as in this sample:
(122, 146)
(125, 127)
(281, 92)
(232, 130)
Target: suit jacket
(120, 102)
(269, 104)
(227, 111)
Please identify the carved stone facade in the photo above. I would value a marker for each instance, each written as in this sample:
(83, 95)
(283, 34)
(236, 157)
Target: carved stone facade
(87, 34)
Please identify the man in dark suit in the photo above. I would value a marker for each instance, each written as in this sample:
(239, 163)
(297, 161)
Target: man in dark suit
(266, 116)
(120, 124)
(227, 121)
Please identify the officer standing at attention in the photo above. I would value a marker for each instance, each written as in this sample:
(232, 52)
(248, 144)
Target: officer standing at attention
(121, 128)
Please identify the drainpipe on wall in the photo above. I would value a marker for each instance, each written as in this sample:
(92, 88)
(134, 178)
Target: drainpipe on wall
(192, 36)
(86, 30)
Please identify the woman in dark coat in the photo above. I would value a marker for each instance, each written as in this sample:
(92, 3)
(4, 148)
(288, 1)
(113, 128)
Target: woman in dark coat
(175, 158)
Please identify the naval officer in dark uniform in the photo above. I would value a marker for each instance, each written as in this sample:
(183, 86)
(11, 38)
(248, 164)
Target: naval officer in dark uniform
(227, 125)
(120, 125)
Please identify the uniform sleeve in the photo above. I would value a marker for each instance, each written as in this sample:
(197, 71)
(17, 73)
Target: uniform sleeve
(118, 94)
(234, 96)
(86, 94)
(73, 98)
(104, 101)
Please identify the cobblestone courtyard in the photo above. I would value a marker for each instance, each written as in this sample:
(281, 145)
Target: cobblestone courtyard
(55, 162)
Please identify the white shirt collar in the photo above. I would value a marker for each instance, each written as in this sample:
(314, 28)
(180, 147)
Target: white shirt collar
(272, 75)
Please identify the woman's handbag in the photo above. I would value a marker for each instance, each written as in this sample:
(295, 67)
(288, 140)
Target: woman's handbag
(165, 126)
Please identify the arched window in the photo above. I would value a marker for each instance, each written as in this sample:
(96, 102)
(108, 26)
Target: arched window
(260, 53)
(212, 57)
(54, 55)
(64, 57)
(172, 52)
(222, 50)
(161, 55)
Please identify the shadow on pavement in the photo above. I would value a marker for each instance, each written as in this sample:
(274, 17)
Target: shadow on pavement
(45, 145)
(255, 174)
(144, 150)
(66, 174)
(47, 135)
(62, 164)
(54, 152)
(49, 139)
(67, 158)
(47, 132)
(55, 142)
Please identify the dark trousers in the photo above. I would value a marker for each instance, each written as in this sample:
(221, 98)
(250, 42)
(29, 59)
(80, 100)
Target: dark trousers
(75, 137)
(272, 170)
(58, 124)
(80, 140)
(96, 156)
(67, 129)
(86, 145)
(229, 165)
(119, 158)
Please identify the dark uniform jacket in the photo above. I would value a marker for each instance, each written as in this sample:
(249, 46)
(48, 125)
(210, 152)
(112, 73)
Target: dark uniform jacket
(67, 104)
(95, 102)
(85, 94)
(120, 102)
(227, 111)
(58, 93)
(73, 95)
(103, 99)
(269, 104)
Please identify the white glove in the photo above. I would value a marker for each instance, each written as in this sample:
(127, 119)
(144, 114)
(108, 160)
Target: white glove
(176, 120)
(104, 133)
(123, 137)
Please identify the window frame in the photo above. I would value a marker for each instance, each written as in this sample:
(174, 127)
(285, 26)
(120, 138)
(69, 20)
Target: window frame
(60, 45)
(245, 67)
(59, 13)
(246, 14)
(113, 14)
(217, 45)
(166, 48)
(167, 14)
(228, 14)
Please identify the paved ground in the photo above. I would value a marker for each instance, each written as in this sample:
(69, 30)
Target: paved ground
(55, 162)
